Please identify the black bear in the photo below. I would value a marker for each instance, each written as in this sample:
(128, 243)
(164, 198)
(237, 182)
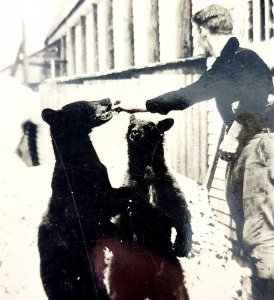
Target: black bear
(80, 209)
(144, 264)
(155, 192)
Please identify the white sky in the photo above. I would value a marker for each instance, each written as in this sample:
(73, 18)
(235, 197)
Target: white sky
(37, 15)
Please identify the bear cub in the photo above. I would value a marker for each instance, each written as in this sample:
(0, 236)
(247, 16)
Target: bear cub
(143, 263)
(157, 205)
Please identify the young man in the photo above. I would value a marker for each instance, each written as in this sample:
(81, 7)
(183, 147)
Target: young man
(238, 75)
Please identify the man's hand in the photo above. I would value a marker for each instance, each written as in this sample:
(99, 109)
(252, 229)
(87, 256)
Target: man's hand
(129, 107)
(229, 147)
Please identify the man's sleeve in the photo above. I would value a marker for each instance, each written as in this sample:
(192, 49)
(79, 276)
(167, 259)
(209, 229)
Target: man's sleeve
(203, 89)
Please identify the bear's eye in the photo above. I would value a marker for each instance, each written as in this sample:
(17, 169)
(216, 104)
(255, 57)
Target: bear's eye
(150, 126)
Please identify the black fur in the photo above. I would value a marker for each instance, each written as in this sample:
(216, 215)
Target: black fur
(80, 209)
(27, 148)
(157, 204)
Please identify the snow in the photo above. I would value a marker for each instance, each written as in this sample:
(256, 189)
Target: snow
(24, 193)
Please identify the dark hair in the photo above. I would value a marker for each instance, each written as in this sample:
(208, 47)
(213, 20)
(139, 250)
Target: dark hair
(215, 18)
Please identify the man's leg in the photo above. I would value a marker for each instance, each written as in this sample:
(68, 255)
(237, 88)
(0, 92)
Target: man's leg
(262, 289)
(258, 204)
(234, 197)
(250, 196)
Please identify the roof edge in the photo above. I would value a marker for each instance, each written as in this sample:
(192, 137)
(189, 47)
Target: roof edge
(77, 5)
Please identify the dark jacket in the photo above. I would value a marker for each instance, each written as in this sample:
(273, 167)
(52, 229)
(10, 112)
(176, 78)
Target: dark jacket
(238, 74)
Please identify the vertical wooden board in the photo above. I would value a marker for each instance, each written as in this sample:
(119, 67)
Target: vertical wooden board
(118, 33)
(203, 141)
(153, 32)
(189, 135)
(246, 21)
(189, 144)
(182, 142)
(141, 42)
(178, 140)
(84, 44)
(195, 142)
(184, 35)
(69, 52)
(90, 43)
(129, 34)
(64, 56)
(78, 49)
(167, 30)
(267, 20)
(146, 33)
(181, 121)
(102, 51)
(237, 11)
(123, 31)
(185, 161)
(203, 137)
(109, 43)
(256, 21)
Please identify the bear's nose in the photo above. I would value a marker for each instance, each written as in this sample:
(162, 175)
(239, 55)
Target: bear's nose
(135, 132)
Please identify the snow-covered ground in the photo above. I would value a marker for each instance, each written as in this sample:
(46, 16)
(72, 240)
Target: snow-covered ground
(24, 193)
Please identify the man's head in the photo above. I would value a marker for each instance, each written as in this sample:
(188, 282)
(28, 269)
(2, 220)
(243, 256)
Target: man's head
(212, 20)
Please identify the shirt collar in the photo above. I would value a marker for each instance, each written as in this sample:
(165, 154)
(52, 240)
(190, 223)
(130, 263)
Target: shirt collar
(230, 48)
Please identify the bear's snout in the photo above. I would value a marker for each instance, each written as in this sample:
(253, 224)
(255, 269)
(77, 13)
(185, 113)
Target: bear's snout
(106, 115)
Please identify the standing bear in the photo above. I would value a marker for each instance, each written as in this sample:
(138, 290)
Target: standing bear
(81, 205)
(143, 263)
(156, 191)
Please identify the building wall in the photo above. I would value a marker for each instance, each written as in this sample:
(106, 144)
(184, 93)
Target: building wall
(187, 140)
(123, 33)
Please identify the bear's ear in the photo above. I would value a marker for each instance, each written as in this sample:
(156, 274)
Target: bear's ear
(165, 124)
(49, 115)
(132, 118)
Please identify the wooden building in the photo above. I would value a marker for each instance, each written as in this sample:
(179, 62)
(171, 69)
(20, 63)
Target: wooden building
(132, 49)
